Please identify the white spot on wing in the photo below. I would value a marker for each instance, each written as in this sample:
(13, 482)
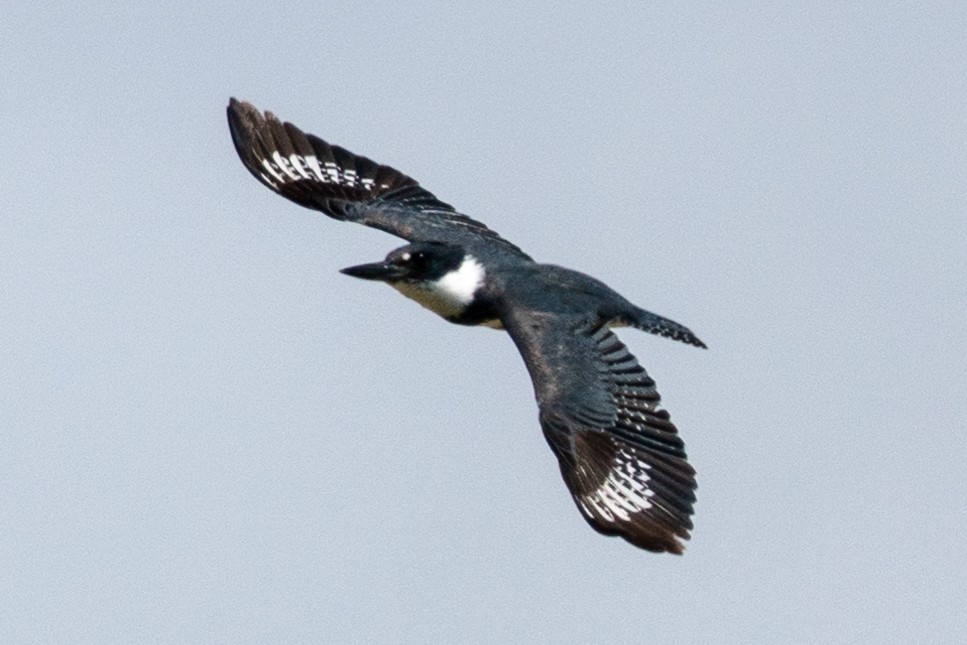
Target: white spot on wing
(282, 170)
(313, 164)
(283, 164)
(298, 162)
(333, 171)
(623, 492)
(268, 165)
(268, 180)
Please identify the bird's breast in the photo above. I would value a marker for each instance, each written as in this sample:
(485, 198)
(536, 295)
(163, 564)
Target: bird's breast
(452, 307)
(431, 296)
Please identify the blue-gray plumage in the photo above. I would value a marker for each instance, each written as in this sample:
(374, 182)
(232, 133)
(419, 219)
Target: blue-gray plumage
(620, 455)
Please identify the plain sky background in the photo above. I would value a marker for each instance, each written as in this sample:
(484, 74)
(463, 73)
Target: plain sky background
(207, 434)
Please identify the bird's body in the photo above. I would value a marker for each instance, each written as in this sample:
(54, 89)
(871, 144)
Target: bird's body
(619, 453)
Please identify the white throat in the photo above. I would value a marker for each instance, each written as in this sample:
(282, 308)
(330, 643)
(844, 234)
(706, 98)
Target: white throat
(449, 295)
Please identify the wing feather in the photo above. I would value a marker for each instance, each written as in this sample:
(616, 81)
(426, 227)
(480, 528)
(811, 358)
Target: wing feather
(619, 453)
(313, 173)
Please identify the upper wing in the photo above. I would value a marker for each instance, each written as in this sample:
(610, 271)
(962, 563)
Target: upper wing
(315, 174)
(619, 453)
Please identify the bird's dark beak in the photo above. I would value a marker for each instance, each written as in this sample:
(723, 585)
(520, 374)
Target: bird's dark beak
(383, 271)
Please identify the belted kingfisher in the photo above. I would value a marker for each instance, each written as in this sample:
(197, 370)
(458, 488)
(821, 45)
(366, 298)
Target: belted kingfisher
(619, 453)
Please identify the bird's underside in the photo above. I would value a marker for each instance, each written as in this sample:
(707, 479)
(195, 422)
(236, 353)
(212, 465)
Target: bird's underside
(618, 451)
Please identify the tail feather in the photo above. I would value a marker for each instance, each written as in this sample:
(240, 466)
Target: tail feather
(655, 324)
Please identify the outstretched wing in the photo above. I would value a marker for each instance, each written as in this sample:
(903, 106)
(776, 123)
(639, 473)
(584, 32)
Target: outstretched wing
(620, 455)
(345, 186)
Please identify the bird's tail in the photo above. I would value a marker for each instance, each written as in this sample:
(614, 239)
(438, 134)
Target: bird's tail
(655, 324)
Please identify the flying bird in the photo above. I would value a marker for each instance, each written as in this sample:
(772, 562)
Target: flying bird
(619, 453)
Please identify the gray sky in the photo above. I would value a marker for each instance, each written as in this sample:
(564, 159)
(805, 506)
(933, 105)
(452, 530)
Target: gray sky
(209, 435)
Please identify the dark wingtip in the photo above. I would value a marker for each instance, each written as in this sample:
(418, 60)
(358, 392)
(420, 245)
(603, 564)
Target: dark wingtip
(671, 542)
(242, 115)
(236, 109)
(241, 118)
(658, 520)
(241, 106)
(251, 132)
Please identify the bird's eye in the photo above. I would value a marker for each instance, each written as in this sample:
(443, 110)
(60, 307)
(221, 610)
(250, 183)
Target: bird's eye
(418, 260)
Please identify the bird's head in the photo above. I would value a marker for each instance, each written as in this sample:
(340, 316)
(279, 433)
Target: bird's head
(413, 263)
(440, 276)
